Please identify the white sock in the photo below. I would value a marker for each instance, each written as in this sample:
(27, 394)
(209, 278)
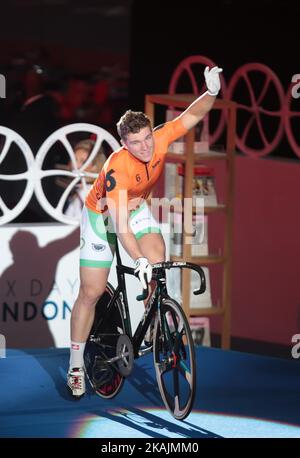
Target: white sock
(76, 354)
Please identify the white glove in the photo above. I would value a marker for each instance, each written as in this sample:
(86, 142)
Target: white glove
(212, 80)
(143, 269)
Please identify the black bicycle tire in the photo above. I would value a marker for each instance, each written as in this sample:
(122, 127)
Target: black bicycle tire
(156, 347)
(110, 290)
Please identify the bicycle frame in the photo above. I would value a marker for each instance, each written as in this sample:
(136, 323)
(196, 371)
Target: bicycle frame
(154, 301)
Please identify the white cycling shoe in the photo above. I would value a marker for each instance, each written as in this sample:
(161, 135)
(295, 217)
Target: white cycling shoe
(76, 381)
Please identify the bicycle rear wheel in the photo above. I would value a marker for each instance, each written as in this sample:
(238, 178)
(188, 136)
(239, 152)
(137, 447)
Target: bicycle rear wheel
(174, 360)
(108, 325)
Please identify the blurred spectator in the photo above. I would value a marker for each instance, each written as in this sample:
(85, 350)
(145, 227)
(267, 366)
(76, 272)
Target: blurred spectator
(82, 151)
(38, 116)
(74, 100)
(101, 110)
(35, 121)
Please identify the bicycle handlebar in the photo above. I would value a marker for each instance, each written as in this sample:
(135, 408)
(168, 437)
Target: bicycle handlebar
(156, 272)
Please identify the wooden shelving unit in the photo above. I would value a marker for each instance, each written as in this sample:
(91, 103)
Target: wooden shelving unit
(190, 159)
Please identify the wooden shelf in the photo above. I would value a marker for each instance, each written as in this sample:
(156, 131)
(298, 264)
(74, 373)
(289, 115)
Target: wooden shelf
(206, 311)
(205, 260)
(210, 155)
(179, 209)
(198, 157)
(172, 157)
(190, 159)
(182, 100)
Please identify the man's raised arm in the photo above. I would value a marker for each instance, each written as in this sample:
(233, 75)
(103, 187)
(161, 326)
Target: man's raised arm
(198, 109)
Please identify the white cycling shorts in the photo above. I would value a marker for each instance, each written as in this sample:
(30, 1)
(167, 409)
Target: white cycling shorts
(98, 237)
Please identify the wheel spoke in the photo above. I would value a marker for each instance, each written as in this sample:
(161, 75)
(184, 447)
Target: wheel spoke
(193, 80)
(168, 336)
(69, 149)
(5, 149)
(92, 155)
(56, 172)
(3, 207)
(176, 406)
(16, 176)
(176, 384)
(66, 194)
(183, 369)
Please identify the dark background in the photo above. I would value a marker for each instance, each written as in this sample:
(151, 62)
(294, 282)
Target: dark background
(153, 36)
(230, 32)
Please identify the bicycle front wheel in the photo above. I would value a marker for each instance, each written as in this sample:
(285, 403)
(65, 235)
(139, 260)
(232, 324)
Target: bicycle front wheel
(174, 359)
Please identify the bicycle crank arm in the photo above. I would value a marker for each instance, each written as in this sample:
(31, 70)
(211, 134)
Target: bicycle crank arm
(145, 351)
(117, 358)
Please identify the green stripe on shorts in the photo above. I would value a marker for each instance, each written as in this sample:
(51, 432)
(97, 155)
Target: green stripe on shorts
(99, 223)
(135, 212)
(149, 230)
(88, 263)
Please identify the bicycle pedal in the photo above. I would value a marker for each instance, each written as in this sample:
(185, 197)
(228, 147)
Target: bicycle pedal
(94, 339)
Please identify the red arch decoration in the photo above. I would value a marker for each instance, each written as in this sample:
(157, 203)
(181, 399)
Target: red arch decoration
(185, 66)
(292, 94)
(256, 108)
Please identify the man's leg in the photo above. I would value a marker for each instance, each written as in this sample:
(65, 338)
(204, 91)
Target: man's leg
(92, 286)
(96, 256)
(148, 235)
(153, 247)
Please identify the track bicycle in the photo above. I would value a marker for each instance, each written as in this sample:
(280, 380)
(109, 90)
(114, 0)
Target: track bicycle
(112, 347)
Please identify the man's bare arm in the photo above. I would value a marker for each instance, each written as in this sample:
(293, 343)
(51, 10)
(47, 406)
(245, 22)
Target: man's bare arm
(202, 105)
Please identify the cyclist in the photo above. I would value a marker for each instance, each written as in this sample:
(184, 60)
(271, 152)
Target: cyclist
(116, 207)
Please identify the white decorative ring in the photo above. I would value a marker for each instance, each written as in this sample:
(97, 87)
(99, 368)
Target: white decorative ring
(79, 175)
(11, 136)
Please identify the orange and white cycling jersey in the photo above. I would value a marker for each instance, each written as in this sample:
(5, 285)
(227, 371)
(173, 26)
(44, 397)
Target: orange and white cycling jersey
(122, 171)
